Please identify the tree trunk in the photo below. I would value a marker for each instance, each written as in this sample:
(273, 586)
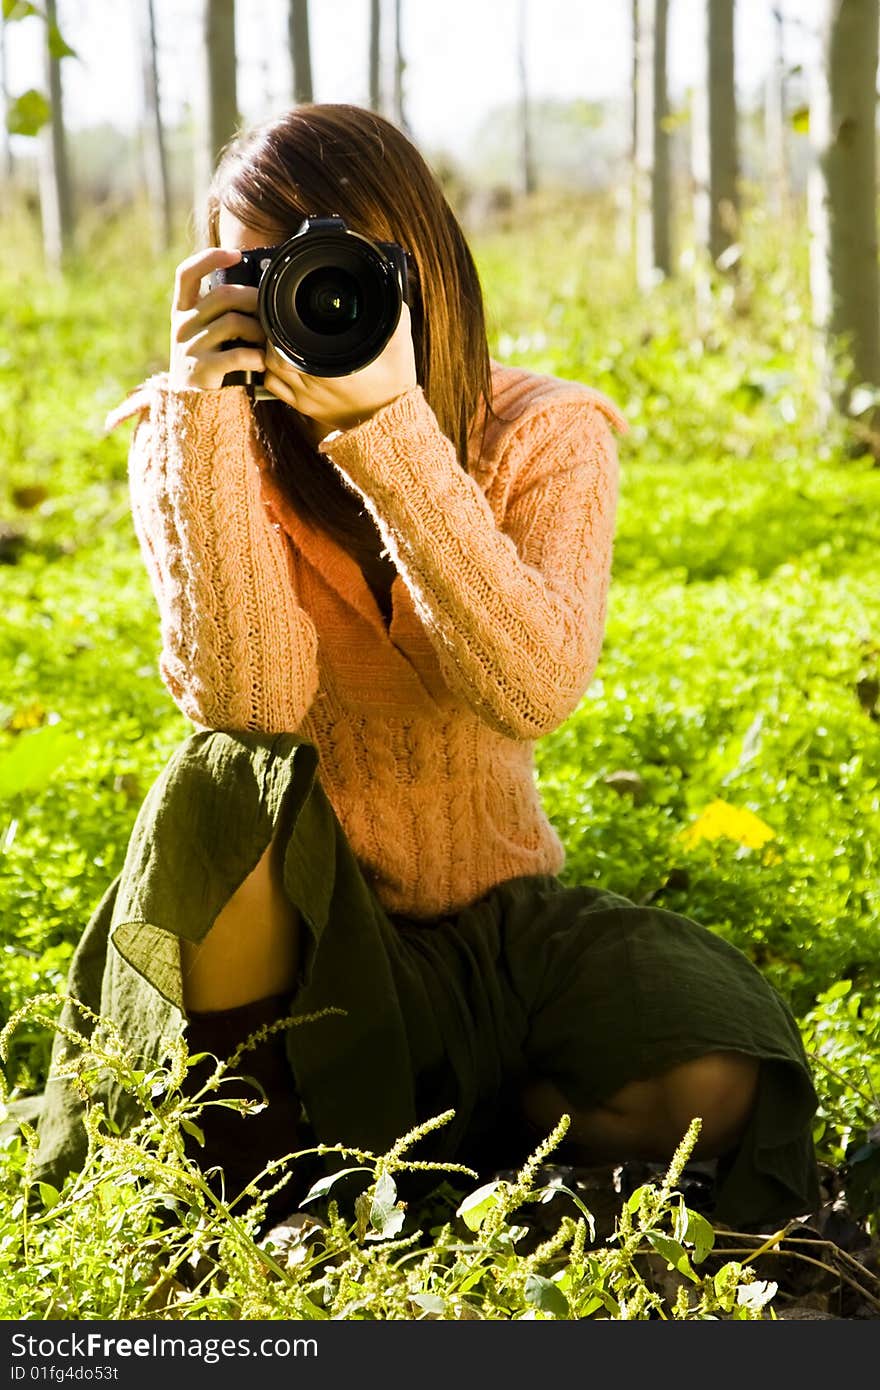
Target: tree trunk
(527, 163)
(217, 119)
(775, 162)
(156, 164)
(626, 189)
(56, 202)
(7, 164)
(300, 50)
(716, 201)
(842, 201)
(399, 67)
(375, 82)
(653, 219)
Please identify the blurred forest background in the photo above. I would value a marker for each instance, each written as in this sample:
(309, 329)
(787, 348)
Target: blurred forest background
(693, 231)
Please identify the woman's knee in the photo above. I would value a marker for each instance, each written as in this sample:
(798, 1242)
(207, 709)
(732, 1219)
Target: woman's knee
(648, 1117)
(252, 948)
(719, 1088)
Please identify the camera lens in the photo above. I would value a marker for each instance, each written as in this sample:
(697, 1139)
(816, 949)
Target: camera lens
(328, 300)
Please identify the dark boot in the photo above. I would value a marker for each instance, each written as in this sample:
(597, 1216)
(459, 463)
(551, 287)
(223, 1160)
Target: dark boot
(244, 1144)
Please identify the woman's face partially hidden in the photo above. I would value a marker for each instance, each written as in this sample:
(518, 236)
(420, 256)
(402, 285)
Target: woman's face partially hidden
(234, 235)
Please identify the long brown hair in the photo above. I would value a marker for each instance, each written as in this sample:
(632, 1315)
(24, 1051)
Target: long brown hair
(328, 158)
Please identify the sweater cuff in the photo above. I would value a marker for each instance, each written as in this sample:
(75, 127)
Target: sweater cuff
(203, 408)
(368, 452)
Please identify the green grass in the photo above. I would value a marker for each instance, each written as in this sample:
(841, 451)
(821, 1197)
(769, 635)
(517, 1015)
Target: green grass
(743, 629)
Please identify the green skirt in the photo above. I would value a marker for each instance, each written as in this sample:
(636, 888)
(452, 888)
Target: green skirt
(534, 980)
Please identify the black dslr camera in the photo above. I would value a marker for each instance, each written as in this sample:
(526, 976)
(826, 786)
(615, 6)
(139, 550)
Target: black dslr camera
(329, 299)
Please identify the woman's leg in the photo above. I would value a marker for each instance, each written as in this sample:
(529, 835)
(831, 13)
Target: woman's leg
(239, 978)
(636, 1020)
(647, 1119)
(252, 950)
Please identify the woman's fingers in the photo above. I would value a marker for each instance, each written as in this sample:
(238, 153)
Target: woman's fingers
(202, 323)
(225, 299)
(198, 334)
(243, 359)
(279, 388)
(281, 367)
(206, 373)
(191, 272)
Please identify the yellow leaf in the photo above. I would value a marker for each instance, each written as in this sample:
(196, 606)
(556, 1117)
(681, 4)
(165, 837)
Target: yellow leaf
(26, 717)
(721, 821)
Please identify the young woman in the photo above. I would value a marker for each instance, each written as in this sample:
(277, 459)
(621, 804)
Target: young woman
(376, 592)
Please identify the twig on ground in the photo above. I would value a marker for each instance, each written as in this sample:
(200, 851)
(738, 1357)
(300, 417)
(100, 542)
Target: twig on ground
(775, 1246)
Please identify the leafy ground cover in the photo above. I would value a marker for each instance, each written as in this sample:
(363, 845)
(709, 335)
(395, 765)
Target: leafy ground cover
(724, 762)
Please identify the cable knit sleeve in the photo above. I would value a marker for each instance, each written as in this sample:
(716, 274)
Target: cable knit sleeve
(238, 652)
(515, 608)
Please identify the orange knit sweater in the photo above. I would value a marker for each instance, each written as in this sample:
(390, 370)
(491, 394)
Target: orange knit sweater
(425, 729)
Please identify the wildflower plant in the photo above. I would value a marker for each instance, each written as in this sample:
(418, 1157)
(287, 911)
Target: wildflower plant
(138, 1231)
(842, 1037)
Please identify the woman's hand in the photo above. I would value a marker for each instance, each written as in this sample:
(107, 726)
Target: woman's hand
(341, 402)
(199, 325)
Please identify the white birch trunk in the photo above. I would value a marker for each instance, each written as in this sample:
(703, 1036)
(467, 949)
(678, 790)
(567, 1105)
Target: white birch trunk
(653, 215)
(155, 162)
(528, 180)
(775, 161)
(7, 162)
(300, 51)
(399, 68)
(56, 201)
(842, 202)
(375, 60)
(217, 100)
(627, 199)
(721, 226)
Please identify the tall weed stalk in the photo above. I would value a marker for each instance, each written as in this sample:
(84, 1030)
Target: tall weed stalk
(138, 1231)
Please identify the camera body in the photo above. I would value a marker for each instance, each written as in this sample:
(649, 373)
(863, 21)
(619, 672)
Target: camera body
(329, 299)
